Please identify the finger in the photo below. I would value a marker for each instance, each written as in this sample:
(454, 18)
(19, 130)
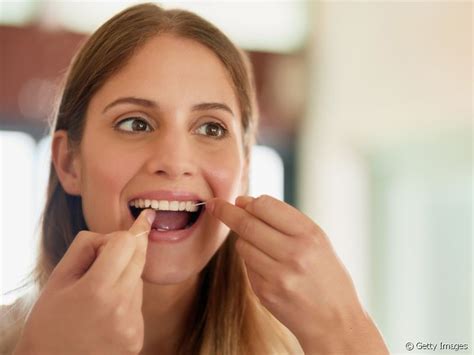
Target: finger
(242, 201)
(79, 256)
(100, 249)
(255, 260)
(143, 223)
(133, 272)
(280, 215)
(136, 307)
(117, 253)
(136, 296)
(266, 238)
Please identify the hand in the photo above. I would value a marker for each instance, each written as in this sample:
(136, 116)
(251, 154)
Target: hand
(92, 301)
(298, 277)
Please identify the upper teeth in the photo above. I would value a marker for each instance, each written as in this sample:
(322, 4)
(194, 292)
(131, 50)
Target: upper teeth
(164, 205)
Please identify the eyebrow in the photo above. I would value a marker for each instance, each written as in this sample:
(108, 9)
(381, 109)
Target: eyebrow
(204, 106)
(131, 100)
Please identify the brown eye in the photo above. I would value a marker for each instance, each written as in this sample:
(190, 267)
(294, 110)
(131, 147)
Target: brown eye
(212, 129)
(134, 124)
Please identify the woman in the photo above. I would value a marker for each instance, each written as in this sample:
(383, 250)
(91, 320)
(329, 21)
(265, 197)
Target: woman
(143, 249)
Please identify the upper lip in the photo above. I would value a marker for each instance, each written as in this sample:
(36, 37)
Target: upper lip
(167, 195)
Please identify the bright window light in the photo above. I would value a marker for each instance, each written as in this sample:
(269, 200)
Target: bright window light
(266, 173)
(25, 168)
(17, 12)
(17, 152)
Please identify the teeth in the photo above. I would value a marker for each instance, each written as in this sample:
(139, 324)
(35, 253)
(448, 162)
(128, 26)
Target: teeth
(164, 205)
(174, 206)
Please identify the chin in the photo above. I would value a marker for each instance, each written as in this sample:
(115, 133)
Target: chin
(166, 271)
(166, 277)
(171, 264)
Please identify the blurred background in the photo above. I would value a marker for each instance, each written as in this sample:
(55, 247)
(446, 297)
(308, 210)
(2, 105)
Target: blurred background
(366, 126)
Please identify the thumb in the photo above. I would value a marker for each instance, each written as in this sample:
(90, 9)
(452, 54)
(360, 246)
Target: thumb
(143, 223)
(141, 229)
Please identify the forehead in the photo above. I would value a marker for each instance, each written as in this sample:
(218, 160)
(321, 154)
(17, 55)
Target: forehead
(171, 70)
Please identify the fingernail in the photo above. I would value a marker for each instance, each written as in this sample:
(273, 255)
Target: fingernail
(150, 215)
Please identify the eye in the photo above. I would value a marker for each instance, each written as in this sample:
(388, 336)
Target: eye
(133, 124)
(212, 129)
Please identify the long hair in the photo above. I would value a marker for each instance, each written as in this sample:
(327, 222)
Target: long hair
(227, 318)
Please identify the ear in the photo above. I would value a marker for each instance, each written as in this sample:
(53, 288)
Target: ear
(66, 163)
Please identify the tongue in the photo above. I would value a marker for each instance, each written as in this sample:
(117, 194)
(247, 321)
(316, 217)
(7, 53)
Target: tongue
(171, 220)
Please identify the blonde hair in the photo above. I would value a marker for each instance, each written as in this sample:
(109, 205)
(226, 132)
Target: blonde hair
(227, 318)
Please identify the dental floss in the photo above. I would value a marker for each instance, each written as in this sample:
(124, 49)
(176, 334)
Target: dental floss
(142, 233)
(200, 203)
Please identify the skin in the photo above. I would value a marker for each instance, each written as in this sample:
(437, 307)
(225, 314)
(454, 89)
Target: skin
(96, 274)
(298, 277)
(173, 151)
(291, 265)
(113, 166)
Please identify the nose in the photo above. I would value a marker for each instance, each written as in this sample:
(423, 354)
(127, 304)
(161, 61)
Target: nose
(172, 156)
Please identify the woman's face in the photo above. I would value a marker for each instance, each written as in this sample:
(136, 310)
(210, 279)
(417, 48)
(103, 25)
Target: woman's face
(179, 134)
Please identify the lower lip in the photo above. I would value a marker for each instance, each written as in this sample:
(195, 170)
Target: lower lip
(174, 236)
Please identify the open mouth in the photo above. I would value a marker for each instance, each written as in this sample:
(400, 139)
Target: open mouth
(170, 215)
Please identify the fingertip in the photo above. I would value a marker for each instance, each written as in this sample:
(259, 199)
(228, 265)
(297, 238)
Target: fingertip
(144, 222)
(242, 201)
(150, 215)
(210, 205)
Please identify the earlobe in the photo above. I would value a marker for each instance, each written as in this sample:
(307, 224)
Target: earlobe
(66, 163)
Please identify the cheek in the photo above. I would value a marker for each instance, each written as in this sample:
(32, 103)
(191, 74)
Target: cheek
(105, 173)
(224, 175)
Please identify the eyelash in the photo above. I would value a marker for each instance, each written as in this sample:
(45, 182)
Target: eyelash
(224, 130)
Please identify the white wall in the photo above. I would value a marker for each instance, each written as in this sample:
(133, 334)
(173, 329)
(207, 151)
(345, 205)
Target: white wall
(391, 83)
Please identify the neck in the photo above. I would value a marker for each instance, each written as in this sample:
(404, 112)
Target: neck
(165, 312)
